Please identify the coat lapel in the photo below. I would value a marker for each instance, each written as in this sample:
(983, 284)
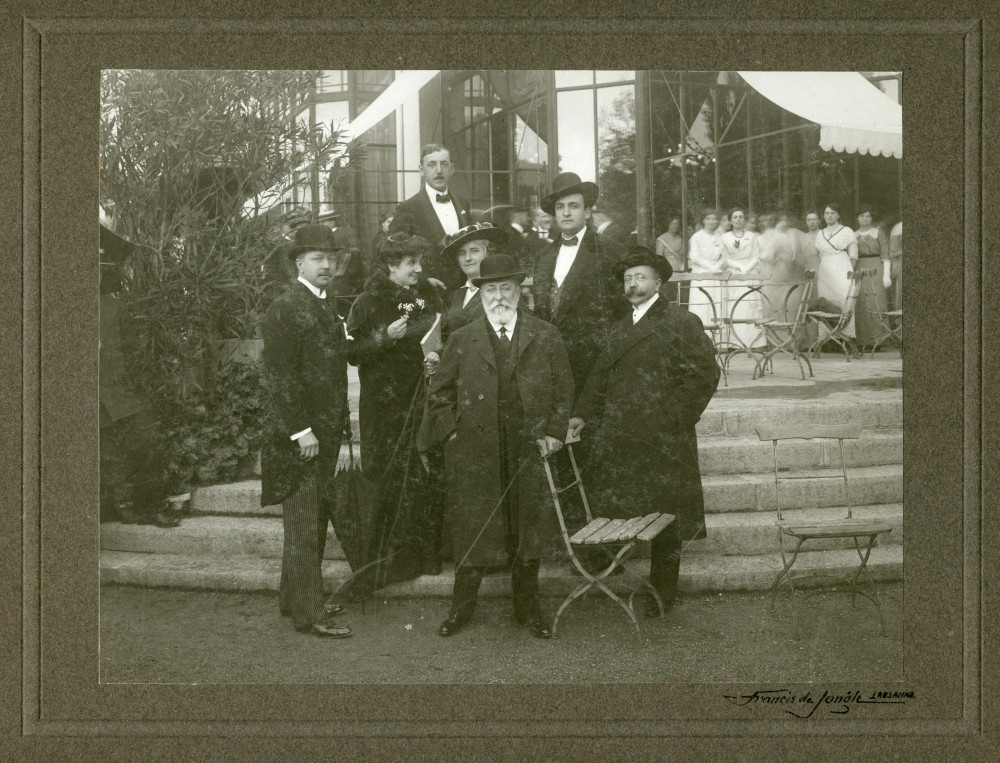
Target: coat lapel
(525, 335)
(431, 215)
(582, 269)
(631, 334)
(481, 341)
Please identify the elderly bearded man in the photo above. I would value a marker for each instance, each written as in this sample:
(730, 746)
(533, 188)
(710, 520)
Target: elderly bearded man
(644, 396)
(502, 392)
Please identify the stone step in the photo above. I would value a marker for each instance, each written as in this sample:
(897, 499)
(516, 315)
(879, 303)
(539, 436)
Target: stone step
(882, 483)
(222, 537)
(738, 455)
(739, 418)
(698, 573)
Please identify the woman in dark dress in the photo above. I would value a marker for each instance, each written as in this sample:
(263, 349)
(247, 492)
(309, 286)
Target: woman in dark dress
(387, 322)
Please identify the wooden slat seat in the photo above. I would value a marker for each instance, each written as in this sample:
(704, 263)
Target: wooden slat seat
(609, 529)
(656, 527)
(834, 529)
(589, 529)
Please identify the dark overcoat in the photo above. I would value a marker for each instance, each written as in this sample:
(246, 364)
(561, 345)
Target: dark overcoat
(118, 401)
(459, 315)
(589, 301)
(390, 370)
(463, 400)
(305, 382)
(642, 401)
(416, 216)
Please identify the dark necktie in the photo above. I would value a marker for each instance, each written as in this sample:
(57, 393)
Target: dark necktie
(573, 241)
(503, 335)
(443, 198)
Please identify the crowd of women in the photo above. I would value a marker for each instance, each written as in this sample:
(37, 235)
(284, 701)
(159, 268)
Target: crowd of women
(736, 251)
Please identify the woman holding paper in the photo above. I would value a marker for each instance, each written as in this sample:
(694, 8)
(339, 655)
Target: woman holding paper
(387, 323)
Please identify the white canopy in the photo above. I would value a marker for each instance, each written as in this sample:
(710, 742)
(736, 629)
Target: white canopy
(854, 116)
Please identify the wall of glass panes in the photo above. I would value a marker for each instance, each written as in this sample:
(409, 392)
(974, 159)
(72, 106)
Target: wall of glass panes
(659, 144)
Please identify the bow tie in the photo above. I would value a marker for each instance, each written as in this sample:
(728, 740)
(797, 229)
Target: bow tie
(443, 198)
(573, 241)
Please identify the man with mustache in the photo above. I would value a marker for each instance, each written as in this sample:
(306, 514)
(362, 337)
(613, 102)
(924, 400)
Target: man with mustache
(501, 393)
(640, 405)
(433, 213)
(305, 377)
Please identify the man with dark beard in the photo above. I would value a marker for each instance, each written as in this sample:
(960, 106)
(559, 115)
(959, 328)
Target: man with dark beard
(641, 402)
(502, 392)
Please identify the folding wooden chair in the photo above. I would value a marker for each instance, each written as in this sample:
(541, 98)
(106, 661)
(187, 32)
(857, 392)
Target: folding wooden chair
(835, 324)
(863, 532)
(783, 335)
(615, 536)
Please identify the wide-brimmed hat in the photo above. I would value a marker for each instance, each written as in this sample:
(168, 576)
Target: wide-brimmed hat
(565, 184)
(498, 267)
(640, 255)
(314, 238)
(474, 232)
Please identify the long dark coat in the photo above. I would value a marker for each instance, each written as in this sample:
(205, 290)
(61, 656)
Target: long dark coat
(305, 376)
(459, 315)
(407, 523)
(590, 300)
(642, 401)
(416, 216)
(463, 400)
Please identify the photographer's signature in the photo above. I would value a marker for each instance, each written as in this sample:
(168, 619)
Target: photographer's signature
(804, 705)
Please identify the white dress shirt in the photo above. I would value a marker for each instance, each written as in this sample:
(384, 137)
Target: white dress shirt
(509, 324)
(470, 292)
(603, 227)
(518, 228)
(445, 211)
(566, 256)
(640, 310)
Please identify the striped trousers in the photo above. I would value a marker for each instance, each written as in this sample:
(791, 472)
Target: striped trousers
(305, 516)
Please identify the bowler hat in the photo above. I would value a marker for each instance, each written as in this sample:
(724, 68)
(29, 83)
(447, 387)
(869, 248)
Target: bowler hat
(314, 238)
(565, 184)
(498, 267)
(640, 255)
(474, 232)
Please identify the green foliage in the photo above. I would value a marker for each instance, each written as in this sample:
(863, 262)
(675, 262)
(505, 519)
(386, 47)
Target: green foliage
(182, 154)
(214, 437)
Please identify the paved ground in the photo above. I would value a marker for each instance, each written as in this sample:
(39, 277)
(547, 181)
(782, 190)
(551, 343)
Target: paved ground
(170, 636)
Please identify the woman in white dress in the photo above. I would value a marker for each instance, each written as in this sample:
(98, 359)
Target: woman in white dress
(741, 249)
(838, 252)
(670, 245)
(705, 257)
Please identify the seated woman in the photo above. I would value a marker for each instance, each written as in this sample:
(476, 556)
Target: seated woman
(873, 254)
(387, 322)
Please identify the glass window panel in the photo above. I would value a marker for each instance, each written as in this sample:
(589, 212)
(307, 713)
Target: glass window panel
(522, 86)
(331, 81)
(616, 151)
(576, 133)
(614, 76)
(573, 78)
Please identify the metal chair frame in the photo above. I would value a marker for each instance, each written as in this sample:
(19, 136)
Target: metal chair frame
(801, 532)
(617, 537)
(889, 322)
(789, 344)
(836, 323)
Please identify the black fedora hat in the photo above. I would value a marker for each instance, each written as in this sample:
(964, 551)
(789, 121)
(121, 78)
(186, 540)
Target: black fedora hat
(565, 184)
(498, 267)
(474, 232)
(314, 238)
(640, 255)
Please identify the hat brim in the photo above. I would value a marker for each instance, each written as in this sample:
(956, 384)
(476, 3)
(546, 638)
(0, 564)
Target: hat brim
(295, 251)
(588, 189)
(496, 235)
(516, 277)
(665, 270)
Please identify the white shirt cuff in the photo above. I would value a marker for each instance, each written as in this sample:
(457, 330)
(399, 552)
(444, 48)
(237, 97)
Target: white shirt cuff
(303, 432)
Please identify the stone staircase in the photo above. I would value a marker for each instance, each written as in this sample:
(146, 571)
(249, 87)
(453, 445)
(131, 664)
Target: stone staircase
(230, 542)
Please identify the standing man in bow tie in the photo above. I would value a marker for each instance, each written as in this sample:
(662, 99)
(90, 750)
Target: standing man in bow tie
(305, 376)
(433, 213)
(573, 283)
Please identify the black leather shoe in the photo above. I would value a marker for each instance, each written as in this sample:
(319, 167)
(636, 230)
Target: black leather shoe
(539, 628)
(332, 608)
(327, 630)
(161, 519)
(652, 610)
(451, 626)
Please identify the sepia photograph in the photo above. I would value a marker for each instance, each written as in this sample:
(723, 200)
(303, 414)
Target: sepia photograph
(500, 376)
